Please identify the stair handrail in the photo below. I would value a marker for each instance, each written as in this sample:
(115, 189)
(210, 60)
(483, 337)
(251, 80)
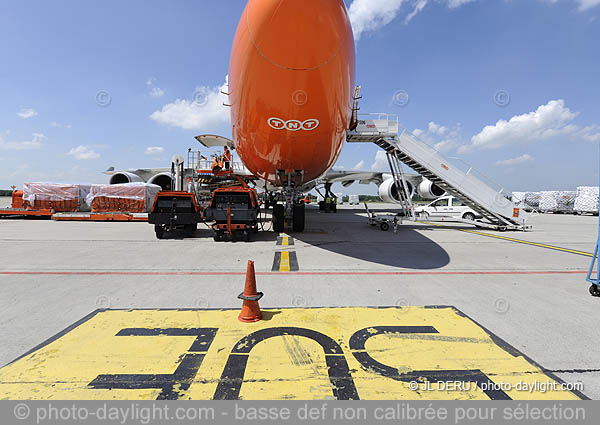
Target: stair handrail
(466, 167)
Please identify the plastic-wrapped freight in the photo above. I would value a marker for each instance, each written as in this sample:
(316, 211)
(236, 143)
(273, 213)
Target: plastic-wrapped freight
(557, 201)
(532, 201)
(127, 197)
(60, 197)
(586, 200)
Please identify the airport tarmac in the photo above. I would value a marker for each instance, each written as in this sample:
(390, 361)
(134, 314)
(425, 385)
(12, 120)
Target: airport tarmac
(519, 310)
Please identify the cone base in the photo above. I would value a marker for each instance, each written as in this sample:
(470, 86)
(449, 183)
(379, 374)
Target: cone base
(250, 319)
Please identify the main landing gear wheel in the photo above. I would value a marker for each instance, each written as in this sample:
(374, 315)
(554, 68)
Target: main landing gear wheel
(595, 291)
(298, 218)
(278, 218)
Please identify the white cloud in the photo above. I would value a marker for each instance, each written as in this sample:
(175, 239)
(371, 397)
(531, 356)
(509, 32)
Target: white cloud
(56, 124)
(381, 162)
(82, 152)
(515, 161)
(548, 121)
(441, 138)
(587, 4)
(156, 92)
(154, 150)
(360, 165)
(583, 5)
(371, 15)
(206, 110)
(34, 143)
(453, 4)
(26, 113)
(419, 6)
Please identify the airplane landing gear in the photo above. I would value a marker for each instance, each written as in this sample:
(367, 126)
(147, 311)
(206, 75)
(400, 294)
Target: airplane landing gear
(298, 218)
(278, 218)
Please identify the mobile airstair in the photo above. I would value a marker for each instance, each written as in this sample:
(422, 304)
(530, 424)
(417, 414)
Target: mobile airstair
(451, 174)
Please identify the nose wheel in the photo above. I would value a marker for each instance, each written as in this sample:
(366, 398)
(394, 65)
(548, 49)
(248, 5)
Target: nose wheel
(298, 218)
(278, 218)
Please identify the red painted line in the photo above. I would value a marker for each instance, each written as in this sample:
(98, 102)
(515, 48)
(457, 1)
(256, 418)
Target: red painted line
(403, 273)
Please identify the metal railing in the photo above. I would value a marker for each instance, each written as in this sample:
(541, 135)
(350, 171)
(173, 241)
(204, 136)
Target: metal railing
(463, 165)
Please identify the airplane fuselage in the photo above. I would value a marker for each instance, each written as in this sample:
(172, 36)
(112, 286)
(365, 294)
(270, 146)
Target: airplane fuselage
(291, 80)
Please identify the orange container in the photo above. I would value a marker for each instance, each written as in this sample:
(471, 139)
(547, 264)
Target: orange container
(17, 199)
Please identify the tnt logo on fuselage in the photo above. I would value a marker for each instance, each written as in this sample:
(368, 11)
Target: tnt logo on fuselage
(293, 125)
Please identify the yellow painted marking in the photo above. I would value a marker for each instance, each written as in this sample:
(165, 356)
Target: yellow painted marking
(556, 248)
(280, 367)
(285, 241)
(284, 265)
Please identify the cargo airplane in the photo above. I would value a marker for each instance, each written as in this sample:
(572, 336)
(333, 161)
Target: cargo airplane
(292, 98)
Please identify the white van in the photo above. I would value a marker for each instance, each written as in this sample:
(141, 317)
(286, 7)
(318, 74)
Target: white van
(353, 200)
(447, 206)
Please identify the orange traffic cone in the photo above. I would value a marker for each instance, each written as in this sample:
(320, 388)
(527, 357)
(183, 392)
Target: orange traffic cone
(250, 310)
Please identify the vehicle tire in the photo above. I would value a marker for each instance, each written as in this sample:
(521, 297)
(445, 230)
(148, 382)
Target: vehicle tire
(594, 291)
(189, 230)
(384, 226)
(334, 208)
(299, 218)
(246, 236)
(469, 216)
(160, 231)
(278, 218)
(322, 206)
(217, 236)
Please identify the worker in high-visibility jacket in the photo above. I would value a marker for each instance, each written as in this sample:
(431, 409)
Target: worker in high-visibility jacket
(227, 158)
(327, 204)
(216, 165)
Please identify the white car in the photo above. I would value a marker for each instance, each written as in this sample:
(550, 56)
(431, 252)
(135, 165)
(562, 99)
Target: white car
(447, 206)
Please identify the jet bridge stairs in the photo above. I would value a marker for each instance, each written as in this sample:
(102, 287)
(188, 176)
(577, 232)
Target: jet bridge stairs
(453, 175)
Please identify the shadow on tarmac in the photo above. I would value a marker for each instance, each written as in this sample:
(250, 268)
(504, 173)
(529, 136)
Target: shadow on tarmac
(348, 234)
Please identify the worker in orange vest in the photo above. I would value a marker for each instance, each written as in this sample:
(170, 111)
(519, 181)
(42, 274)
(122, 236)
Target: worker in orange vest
(227, 158)
(216, 165)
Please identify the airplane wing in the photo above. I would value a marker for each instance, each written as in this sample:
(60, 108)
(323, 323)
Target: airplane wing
(347, 178)
(151, 171)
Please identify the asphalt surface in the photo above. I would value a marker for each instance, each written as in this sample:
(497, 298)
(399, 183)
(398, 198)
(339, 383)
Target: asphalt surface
(534, 297)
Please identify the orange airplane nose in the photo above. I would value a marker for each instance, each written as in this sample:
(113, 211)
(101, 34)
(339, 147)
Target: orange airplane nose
(297, 34)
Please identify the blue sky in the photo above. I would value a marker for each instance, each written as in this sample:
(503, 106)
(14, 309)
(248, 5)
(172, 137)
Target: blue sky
(510, 86)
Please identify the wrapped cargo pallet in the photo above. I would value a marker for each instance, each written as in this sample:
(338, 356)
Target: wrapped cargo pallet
(532, 201)
(586, 200)
(127, 197)
(60, 197)
(557, 201)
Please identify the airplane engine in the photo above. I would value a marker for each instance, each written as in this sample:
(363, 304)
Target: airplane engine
(388, 191)
(429, 191)
(124, 177)
(164, 180)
